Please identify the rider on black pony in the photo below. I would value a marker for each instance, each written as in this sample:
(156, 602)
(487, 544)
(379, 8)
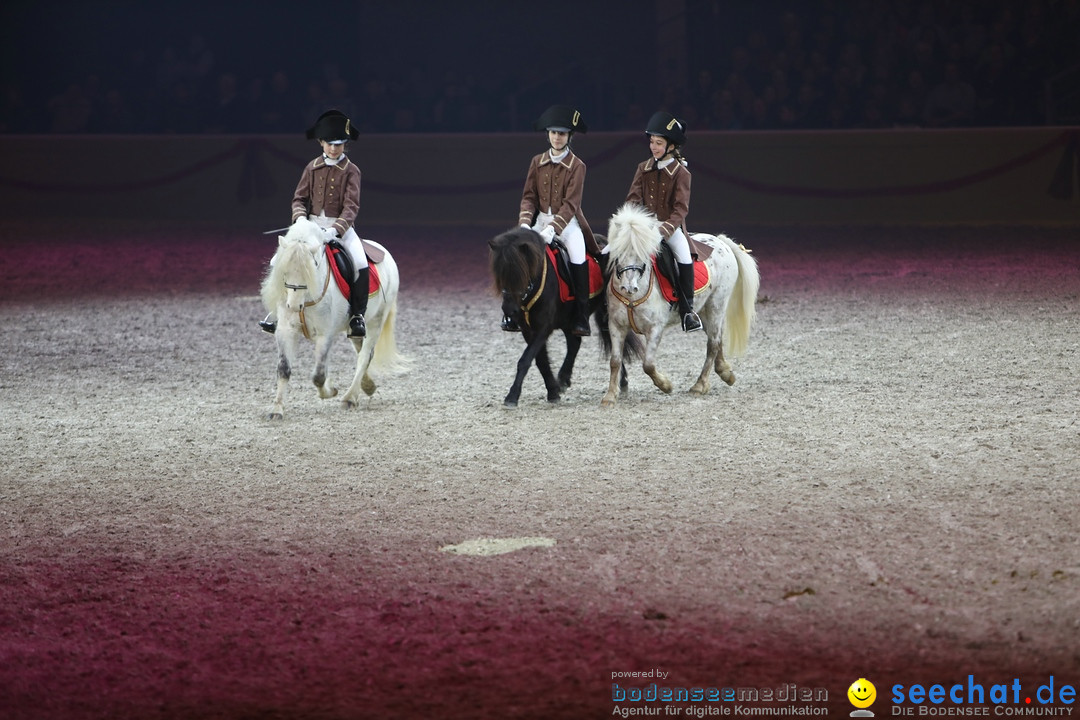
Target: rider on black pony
(551, 204)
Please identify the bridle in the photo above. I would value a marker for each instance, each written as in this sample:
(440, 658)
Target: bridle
(628, 303)
(534, 288)
(310, 303)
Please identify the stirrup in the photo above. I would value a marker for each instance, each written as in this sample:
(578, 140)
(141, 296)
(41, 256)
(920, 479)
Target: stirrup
(268, 325)
(357, 328)
(691, 322)
(581, 328)
(509, 325)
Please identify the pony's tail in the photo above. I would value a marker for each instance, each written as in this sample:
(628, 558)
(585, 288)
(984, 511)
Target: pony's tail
(386, 357)
(741, 308)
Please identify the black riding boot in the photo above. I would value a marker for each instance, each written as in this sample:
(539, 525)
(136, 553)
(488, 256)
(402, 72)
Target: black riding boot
(358, 295)
(268, 324)
(602, 261)
(690, 319)
(579, 275)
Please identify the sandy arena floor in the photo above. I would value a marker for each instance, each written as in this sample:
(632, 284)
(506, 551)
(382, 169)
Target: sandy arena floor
(888, 491)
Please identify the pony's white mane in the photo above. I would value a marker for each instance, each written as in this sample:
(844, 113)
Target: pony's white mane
(295, 259)
(633, 232)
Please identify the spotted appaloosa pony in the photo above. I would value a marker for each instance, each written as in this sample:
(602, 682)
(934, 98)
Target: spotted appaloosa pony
(526, 277)
(299, 288)
(635, 305)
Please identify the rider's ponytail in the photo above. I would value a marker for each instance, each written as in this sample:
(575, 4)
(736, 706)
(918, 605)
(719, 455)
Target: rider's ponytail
(677, 154)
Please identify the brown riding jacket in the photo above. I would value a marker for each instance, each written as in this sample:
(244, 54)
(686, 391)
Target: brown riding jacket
(330, 189)
(665, 191)
(558, 186)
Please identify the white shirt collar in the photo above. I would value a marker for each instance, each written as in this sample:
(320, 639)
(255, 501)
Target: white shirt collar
(560, 157)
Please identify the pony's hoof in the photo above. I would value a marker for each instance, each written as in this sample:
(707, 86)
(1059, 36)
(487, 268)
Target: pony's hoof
(607, 403)
(728, 377)
(368, 386)
(699, 389)
(508, 403)
(349, 404)
(554, 399)
(275, 416)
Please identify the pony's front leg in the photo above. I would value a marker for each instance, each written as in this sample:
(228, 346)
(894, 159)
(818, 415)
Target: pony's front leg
(618, 369)
(573, 345)
(652, 346)
(543, 364)
(287, 343)
(537, 343)
(322, 352)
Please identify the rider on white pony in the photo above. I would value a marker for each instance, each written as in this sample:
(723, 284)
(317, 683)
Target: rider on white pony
(662, 185)
(329, 194)
(551, 204)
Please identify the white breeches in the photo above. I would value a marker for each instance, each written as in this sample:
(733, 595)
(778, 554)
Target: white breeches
(571, 237)
(350, 241)
(680, 247)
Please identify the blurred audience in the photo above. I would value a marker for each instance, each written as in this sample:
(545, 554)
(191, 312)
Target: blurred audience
(771, 64)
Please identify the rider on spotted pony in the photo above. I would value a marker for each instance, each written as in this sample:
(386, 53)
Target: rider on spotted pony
(662, 185)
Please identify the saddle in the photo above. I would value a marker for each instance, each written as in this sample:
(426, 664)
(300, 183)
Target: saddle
(667, 273)
(343, 268)
(560, 259)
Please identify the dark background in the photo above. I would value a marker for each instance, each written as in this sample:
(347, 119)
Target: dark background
(412, 66)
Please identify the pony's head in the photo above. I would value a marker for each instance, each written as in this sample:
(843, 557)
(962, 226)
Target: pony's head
(293, 271)
(633, 234)
(516, 257)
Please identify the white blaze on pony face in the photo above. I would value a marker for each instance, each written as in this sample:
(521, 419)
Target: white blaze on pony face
(294, 296)
(629, 279)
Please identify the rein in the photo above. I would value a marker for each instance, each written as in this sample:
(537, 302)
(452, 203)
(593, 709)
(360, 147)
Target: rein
(527, 304)
(310, 303)
(629, 304)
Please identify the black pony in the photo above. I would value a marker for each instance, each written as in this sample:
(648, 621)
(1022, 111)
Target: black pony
(527, 279)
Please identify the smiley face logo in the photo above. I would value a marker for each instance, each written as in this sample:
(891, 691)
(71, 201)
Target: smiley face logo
(862, 693)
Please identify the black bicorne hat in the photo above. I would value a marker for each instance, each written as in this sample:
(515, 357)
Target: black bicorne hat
(667, 125)
(562, 118)
(333, 126)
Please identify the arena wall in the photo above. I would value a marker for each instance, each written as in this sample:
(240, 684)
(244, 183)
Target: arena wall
(890, 177)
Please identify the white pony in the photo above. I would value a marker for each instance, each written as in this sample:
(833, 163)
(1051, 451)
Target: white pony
(299, 288)
(726, 304)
